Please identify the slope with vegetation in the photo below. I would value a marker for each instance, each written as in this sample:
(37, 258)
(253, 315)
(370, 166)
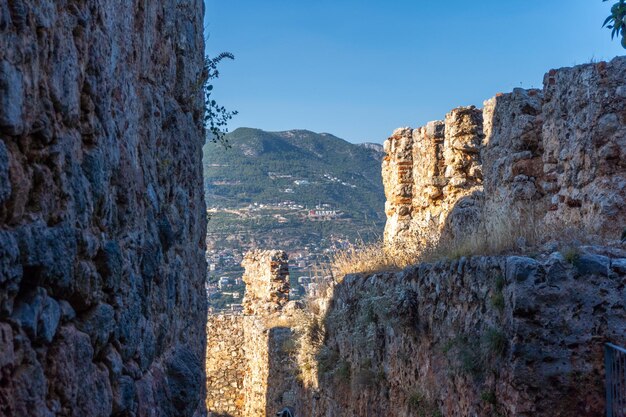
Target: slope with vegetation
(280, 177)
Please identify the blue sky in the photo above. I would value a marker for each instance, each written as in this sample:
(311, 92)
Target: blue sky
(359, 68)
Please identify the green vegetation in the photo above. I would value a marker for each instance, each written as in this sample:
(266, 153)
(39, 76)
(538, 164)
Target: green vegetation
(301, 167)
(474, 354)
(343, 372)
(500, 283)
(571, 255)
(497, 298)
(216, 117)
(422, 406)
(289, 347)
(326, 360)
(267, 163)
(497, 301)
(496, 341)
(368, 378)
(489, 397)
(416, 399)
(471, 360)
(616, 21)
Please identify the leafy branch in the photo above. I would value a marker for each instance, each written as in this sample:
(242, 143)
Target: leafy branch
(617, 20)
(216, 117)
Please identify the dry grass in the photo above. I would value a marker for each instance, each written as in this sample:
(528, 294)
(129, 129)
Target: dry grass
(503, 229)
(486, 239)
(368, 258)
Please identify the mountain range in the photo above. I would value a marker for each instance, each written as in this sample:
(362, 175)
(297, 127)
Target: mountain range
(268, 188)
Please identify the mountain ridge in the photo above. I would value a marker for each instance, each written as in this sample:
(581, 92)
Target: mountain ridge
(278, 178)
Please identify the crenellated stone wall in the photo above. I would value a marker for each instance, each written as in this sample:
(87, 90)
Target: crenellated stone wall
(553, 157)
(489, 335)
(102, 213)
(267, 282)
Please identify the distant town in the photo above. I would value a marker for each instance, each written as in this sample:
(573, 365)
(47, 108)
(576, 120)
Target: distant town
(308, 263)
(306, 193)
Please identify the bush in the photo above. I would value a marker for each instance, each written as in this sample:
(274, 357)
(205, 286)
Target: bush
(489, 397)
(500, 283)
(571, 255)
(327, 359)
(497, 301)
(422, 406)
(216, 117)
(496, 341)
(366, 378)
(343, 372)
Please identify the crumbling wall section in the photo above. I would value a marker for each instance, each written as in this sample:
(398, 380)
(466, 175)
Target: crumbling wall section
(249, 366)
(584, 138)
(551, 157)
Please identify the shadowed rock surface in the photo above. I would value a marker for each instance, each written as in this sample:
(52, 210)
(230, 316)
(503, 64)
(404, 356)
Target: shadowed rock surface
(102, 216)
(480, 336)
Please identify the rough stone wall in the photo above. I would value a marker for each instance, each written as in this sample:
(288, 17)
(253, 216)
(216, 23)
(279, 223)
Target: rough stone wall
(102, 216)
(512, 150)
(584, 137)
(554, 158)
(267, 292)
(267, 281)
(397, 173)
(250, 371)
(481, 336)
(427, 171)
(225, 364)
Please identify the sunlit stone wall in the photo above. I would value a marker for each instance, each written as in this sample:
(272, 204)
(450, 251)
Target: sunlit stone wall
(552, 157)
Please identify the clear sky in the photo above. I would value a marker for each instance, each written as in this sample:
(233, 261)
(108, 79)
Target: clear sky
(360, 68)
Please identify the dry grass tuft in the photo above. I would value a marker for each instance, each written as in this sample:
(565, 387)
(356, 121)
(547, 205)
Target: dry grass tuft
(366, 258)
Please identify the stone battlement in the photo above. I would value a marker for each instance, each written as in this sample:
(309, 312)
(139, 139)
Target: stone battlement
(560, 150)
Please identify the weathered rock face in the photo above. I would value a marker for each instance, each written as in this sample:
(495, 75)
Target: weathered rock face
(584, 137)
(484, 336)
(102, 216)
(554, 158)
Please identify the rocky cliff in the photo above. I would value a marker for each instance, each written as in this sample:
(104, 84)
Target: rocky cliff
(102, 216)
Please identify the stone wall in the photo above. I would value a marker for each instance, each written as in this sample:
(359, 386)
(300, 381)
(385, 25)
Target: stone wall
(250, 370)
(554, 158)
(226, 364)
(102, 215)
(482, 336)
(267, 282)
